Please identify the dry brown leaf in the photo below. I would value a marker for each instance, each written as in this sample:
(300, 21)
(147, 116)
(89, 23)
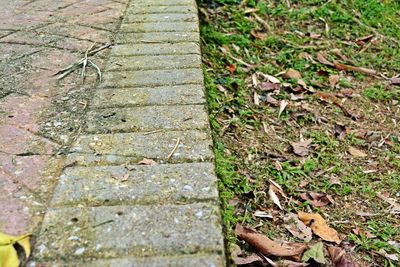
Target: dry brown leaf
(395, 81)
(262, 214)
(267, 246)
(356, 152)
(256, 98)
(272, 100)
(273, 196)
(258, 35)
(147, 162)
(297, 228)
(395, 206)
(288, 263)
(392, 257)
(365, 38)
(253, 258)
(319, 226)
(282, 107)
(269, 86)
(236, 252)
(340, 131)
(340, 258)
(333, 79)
(323, 60)
(301, 148)
(292, 74)
(317, 199)
(358, 231)
(345, 67)
(269, 78)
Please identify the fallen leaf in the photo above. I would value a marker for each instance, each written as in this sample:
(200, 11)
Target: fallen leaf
(9, 257)
(340, 131)
(231, 68)
(340, 258)
(315, 252)
(288, 263)
(292, 74)
(273, 196)
(317, 199)
(358, 231)
(323, 60)
(348, 92)
(356, 152)
(365, 38)
(147, 162)
(256, 98)
(345, 67)
(333, 79)
(338, 53)
(269, 86)
(395, 81)
(394, 244)
(392, 257)
(315, 36)
(297, 228)
(262, 214)
(253, 258)
(301, 148)
(394, 205)
(334, 179)
(269, 78)
(319, 226)
(272, 100)
(267, 246)
(332, 99)
(282, 107)
(258, 35)
(303, 183)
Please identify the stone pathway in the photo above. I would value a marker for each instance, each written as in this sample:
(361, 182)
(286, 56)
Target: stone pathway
(109, 210)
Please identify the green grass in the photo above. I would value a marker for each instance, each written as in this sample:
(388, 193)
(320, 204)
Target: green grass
(246, 135)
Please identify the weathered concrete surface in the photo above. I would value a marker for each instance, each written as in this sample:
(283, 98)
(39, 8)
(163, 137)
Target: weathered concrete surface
(202, 260)
(156, 49)
(138, 187)
(119, 148)
(132, 184)
(154, 62)
(147, 118)
(161, 95)
(159, 38)
(118, 231)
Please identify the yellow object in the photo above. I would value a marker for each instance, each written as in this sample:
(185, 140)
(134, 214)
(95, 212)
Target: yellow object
(8, 253)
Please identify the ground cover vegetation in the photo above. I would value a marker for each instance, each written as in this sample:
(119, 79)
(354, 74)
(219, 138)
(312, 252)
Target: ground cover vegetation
(304, 107)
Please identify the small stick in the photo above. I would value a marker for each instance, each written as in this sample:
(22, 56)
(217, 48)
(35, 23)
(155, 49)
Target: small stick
(152, 132)
(174, 149)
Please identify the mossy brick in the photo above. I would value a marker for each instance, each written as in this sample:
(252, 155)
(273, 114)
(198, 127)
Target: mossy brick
(147, 118)
(166, 17)
(152, 78)
(160, 37)
(160, 9)
(162, 95)
(164, 26)
(196, 260)
(156, 49)
(119, 148)
(137, 184)
(78, 233)
(153, 62)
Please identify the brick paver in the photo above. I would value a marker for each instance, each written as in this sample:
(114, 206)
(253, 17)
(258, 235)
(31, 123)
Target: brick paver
(109, 210)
